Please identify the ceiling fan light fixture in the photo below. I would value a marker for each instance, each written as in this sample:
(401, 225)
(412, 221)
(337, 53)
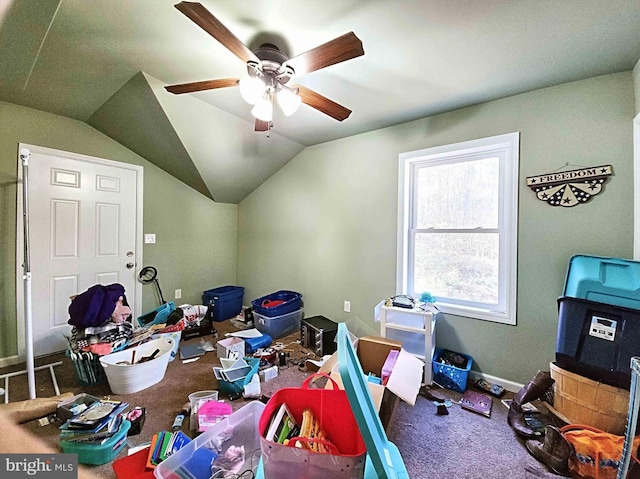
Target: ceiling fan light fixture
(269, 70)
(288, 101)
(263, 109)
(251, 89)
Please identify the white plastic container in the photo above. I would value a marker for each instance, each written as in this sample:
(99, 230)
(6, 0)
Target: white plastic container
(196, 399)
(278, 326)
(197, 459)
(126, 378)
(175, 335)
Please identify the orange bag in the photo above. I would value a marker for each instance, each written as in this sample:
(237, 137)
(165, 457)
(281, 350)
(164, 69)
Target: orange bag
(596, 453)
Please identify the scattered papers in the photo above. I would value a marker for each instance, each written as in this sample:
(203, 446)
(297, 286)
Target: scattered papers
(526, 408)
(246, 333)
(192, 360)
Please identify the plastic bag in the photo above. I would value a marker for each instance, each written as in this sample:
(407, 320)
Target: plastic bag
(596, 453)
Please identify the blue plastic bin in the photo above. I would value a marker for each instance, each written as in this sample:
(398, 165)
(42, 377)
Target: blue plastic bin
(291, 301)
(450, 376)
(227, 301)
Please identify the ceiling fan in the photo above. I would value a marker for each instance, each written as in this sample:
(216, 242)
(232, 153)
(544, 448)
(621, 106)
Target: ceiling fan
(270, 71)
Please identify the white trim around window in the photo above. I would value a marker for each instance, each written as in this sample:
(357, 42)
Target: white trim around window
(502, 308)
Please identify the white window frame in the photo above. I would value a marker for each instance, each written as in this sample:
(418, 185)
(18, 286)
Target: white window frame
(506, 147)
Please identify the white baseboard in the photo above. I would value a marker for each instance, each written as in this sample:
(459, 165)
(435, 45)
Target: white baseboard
(508, 385)
(10, 361)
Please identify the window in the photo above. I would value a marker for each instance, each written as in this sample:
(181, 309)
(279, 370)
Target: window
(457, 226)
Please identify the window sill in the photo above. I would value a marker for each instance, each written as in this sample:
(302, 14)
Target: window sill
(477, 313)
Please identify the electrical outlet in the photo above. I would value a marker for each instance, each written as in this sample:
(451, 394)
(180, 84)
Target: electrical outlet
(347, 306)
(178, 294)
(149, 238)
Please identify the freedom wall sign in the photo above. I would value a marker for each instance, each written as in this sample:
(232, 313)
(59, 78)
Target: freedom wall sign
(570, 188)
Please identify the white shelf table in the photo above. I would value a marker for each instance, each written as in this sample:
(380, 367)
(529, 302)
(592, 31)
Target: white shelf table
(417, 331)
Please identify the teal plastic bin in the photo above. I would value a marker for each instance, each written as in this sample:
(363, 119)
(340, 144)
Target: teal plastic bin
(237, 387)
(613, 281)
(98, 453)
(158, 315)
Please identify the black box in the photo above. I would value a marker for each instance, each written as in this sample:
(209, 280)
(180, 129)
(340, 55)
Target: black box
(319, 334)
(203, 329)
(597, 340)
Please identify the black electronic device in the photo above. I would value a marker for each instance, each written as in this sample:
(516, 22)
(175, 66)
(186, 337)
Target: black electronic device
(204, 328)
(318, 334)
(403, 301)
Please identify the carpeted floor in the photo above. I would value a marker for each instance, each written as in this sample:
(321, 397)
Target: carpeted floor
(461, 444)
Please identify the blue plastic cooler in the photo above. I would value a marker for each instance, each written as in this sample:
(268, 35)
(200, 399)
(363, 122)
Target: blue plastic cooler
(383, 457)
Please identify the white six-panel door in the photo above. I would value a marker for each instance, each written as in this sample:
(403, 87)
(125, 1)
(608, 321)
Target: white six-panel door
(84, 229)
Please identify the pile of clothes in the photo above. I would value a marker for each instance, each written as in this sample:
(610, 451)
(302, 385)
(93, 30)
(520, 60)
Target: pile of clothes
(101, 320)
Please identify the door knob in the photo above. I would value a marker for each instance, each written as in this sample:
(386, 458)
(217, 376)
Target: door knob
(130, 265)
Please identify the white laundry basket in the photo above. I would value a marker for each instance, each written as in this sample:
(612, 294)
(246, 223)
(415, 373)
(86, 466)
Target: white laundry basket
(127, 378)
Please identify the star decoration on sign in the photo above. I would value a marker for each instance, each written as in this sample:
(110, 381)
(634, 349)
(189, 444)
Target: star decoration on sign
(570, 188)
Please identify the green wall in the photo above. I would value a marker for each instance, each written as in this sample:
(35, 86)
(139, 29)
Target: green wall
(636, 84)
(196, 238)
(325, 224)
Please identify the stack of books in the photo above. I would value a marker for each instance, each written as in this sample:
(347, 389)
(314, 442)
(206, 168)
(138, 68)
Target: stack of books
(95, 424)
(283, 426)
(163, 445)
(284, 429)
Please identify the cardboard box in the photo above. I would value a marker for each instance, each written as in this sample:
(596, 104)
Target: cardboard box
(404, 381)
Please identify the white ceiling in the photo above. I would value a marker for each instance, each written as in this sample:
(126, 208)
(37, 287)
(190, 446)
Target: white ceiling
(82, 58)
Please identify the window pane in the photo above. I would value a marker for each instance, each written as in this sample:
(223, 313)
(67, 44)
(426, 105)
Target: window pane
(457, 266)
(458, 195)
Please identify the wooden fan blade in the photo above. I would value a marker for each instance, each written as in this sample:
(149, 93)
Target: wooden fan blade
(322, 103)
(210, 24)
(338, 50)
(261, 125)
(202, 85)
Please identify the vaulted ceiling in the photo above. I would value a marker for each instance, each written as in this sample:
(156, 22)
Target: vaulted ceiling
(107, 62)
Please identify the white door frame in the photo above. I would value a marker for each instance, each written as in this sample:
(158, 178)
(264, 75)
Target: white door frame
(636, 188)
(137, 294)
